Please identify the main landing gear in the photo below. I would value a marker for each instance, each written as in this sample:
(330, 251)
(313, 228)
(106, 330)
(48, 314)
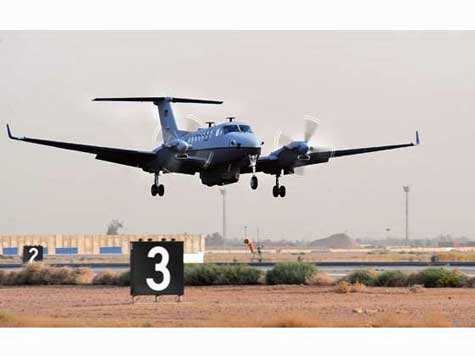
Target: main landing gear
(278, 190)
(254, 181)
(157, 188)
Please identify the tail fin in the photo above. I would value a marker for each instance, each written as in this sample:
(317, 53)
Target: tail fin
(167, 118)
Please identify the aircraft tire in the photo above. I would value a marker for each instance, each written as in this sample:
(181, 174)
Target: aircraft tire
(154, 190)
(275, 191)
(282, 191)
(254, 182)
(161, 190)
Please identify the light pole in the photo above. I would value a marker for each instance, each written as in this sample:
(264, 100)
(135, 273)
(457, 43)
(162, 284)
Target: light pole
(223, 193)
(406, 191)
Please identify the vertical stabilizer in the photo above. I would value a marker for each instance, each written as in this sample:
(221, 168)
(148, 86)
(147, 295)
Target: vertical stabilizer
(167, 119)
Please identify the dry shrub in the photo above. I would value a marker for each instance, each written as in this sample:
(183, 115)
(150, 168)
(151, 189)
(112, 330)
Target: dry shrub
(106, 278)
(357, 287)
(111, 278)
(293, 319)
(5, 318)
(82, 275)
(416, 288)
(342, 287)
(364, 276)
(35, 321)
(470, 282)
(8, 279)
(39, 274)
(290, 273)
(204, 275)
(438, 278)
(391, 279)
(320, 279)
(431, 320)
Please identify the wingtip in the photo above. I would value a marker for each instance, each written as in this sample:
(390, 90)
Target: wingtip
(418, 141)
(9, 132)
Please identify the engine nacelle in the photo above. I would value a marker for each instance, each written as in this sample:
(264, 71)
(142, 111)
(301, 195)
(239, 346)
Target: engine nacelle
(180, 145)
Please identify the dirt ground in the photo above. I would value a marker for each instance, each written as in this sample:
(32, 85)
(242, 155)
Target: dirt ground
(250, 306)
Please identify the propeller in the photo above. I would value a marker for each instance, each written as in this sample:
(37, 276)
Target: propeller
(303, 147)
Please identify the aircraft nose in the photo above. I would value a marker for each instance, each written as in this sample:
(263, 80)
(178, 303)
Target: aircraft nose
(249, 140)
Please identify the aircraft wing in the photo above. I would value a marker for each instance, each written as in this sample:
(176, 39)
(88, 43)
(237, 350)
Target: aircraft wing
(325, 156)
(132, 158)
(286, 160)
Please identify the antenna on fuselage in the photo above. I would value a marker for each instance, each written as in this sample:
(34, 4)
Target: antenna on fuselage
(231, 118)
(210, 123)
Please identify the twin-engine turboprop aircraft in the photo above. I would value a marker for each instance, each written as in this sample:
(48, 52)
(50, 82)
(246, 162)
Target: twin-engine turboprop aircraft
(219, 153)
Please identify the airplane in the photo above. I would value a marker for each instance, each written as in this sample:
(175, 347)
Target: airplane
(220, 153)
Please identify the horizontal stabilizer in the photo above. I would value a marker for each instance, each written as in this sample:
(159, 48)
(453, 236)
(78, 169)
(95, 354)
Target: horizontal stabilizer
(161, 98)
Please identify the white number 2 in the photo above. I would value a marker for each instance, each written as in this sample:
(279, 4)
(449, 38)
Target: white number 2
(35, 252)
(159, 267)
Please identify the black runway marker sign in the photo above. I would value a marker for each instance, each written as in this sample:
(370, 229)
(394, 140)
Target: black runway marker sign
(156, 268)
(32, 253)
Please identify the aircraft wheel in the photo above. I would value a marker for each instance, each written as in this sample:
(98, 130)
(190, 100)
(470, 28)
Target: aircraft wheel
(275, 191)
(154, 189)
(254, 182)
(282, 191)
(161, 190)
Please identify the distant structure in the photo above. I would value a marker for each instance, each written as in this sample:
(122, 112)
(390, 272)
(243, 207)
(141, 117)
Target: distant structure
(93, 245)
(114, 227)
(223, 193)
(406, 191)
(336, 241)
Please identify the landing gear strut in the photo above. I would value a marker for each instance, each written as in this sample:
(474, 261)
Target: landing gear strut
(157, 188)
(278, 189)
(254, 181)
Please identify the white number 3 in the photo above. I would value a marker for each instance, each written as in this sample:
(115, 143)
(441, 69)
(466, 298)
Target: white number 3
(159, 267)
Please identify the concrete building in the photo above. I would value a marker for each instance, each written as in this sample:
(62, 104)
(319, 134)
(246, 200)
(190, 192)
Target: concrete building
(194, 245)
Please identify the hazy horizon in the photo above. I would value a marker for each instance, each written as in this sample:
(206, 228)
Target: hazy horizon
(366, 88)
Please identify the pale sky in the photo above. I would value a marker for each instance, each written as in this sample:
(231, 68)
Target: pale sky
(366, 88)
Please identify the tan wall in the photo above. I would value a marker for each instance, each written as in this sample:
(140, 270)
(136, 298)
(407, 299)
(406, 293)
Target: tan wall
(90, 244)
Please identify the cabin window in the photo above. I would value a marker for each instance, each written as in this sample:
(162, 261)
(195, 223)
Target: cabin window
(245, 128)
(230, 128)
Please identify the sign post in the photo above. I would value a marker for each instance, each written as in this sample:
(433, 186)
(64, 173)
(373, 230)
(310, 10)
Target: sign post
(156, 268)
(32, 253)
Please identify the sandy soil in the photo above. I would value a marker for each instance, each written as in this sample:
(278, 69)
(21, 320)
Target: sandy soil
(236, 306)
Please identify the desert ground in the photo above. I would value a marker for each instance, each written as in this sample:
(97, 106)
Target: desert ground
(249, 306)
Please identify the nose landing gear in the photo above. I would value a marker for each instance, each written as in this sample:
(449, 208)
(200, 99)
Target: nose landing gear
(278, 190)
(253, 162)
(157, 188)
(254, 182)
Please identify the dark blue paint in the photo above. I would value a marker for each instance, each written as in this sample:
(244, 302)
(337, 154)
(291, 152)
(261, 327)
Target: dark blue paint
(66, 250)
(110, 250)
(10, 251)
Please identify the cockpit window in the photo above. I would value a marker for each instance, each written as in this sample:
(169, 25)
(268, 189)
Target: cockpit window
(230, 128)
(245, 128)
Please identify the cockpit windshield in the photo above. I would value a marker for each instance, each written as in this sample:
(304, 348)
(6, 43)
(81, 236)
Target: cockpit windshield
(236, 128)
(230, 128)
(245, 128)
